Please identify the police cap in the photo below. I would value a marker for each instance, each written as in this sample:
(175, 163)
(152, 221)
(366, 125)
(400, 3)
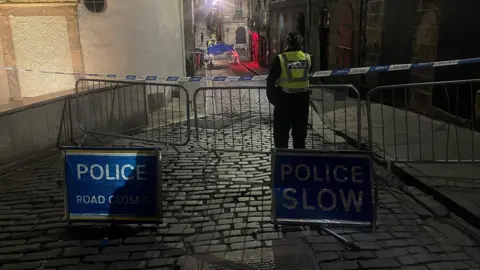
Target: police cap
(295, 40)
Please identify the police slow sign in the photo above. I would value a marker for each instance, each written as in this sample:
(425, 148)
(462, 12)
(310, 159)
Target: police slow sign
(322, 187)
(106, 184)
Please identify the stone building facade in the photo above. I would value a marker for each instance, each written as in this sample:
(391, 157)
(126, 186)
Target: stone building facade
(40, 36)
(235, 15)
(89, 36)
(234, 22)
(201, 10)
(356, 33)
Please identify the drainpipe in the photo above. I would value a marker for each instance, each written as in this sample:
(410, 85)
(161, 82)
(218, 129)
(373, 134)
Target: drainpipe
(308, 24)
(352, 34)
(362, 31)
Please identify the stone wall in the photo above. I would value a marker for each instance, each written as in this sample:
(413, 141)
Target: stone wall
(425, 50)
(373, 34)
(425, 38)
(35, 129)
(42, 36)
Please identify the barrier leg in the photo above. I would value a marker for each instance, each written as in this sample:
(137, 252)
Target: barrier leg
(389, 176)
(349, 244)
(207, 160)
(205, 164)
(176, 149)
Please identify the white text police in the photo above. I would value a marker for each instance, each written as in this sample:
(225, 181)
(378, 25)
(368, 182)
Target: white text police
(111, 172)
(297, 64)
(312, 172)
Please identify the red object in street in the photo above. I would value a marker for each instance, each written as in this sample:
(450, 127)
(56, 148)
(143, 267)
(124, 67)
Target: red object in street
(254, 46)
(197, 60)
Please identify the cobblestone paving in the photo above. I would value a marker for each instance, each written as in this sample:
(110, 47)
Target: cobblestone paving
(221, 220)
(235, 118)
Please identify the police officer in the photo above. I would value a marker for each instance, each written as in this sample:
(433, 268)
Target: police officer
(287, 90)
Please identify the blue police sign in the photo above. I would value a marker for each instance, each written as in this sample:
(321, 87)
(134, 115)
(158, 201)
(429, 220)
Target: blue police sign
(112, 184)
(322, 187)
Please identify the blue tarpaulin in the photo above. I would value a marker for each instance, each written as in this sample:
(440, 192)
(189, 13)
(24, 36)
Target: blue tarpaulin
(220, 49)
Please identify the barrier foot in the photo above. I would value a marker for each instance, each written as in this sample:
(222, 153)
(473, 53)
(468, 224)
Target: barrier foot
(207, 161)
(98, 139)
(205, 164)
(85, 137)
(349, 244)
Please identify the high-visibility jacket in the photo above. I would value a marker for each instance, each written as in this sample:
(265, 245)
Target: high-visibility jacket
(295, 67)
(212, 42)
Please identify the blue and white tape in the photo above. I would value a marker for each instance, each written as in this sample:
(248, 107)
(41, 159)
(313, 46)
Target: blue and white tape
(318, 74)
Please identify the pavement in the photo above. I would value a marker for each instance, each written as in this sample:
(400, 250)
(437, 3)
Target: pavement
(220, 218)
(437, 157)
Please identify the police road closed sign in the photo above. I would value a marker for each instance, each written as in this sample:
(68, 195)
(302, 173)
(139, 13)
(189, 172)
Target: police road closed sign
(112, 184)
(322, 187)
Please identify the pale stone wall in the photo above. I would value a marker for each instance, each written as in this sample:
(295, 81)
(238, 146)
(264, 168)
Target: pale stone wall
(42, 42)
(134, 37)
(231, 23)
(38, 35)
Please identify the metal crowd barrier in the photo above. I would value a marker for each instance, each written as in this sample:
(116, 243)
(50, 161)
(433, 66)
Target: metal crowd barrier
(340, 108)
(240, 119)
(424, 122)
(149, 112)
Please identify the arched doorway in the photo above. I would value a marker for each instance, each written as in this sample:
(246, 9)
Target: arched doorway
(240, 36)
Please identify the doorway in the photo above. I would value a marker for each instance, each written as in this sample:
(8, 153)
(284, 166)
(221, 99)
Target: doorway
(324, 36)
(240, 36)
(301, 24)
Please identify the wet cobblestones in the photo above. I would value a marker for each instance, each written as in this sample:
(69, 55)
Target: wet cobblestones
(220, 219)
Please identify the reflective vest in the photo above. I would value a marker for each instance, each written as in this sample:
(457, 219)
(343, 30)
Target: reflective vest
(212, 42)
(295, 67)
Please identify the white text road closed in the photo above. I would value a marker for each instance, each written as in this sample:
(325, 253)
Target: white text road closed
(85, 199)
(111, 184)
(333, 186)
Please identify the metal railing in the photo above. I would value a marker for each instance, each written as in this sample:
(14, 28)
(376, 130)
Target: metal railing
(340, 108)
(149, 112)
(424, 122)
(240, 119)
(235, 119)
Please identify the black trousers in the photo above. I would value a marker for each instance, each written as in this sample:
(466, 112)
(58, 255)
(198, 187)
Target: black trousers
(290, 112)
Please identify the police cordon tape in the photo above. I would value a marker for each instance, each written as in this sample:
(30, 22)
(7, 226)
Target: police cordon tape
(318, 74)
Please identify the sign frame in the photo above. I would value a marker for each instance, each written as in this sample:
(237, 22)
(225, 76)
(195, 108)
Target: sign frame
(333, 153)
(95, 219)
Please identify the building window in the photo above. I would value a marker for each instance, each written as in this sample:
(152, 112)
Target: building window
(95, 5)
(238, 9)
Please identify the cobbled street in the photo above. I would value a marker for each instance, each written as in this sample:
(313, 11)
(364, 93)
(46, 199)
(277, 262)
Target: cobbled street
(220, 218)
